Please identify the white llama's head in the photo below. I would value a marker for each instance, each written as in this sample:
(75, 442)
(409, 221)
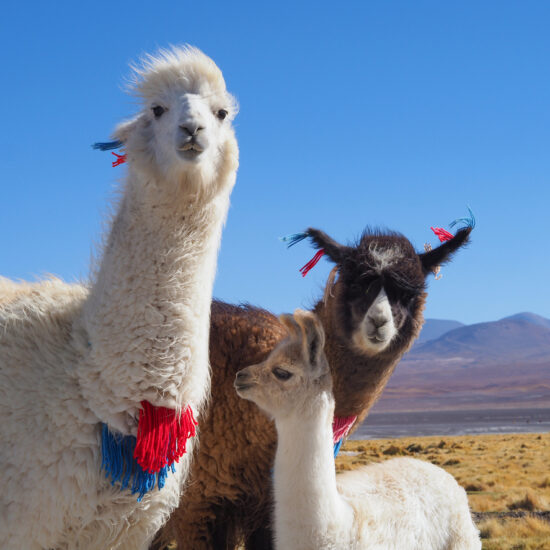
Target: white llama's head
(295, 371)
(184, 133)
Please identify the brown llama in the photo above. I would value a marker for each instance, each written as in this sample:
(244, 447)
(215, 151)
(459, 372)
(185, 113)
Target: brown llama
(371, 314)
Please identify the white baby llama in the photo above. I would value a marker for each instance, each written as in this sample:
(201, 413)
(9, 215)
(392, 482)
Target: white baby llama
(401, 504)
(82, 368)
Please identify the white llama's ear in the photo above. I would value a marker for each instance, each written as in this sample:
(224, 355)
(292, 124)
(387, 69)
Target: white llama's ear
(124, 129)
(313, 336)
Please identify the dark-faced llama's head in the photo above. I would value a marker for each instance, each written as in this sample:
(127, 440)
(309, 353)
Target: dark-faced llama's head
(377, 300)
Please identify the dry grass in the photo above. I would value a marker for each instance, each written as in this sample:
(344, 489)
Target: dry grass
(515, 534)
(501, 473)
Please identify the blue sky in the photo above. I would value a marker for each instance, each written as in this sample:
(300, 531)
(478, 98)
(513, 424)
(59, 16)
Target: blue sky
(384, 113)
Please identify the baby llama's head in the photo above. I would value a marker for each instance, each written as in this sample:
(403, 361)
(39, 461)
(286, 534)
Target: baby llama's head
(183, 137)
(294, 373)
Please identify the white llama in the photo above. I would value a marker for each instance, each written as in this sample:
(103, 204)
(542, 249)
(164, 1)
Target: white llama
(401, 504)
(81, 369)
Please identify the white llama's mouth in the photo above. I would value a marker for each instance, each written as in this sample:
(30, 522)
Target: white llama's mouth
(190, 150)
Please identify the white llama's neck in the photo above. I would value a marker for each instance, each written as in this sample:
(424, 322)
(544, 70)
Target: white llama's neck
(309, 512)
(148, 315)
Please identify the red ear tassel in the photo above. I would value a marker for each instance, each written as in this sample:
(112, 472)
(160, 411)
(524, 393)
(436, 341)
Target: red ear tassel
(162, 436)
(120, 159)
(443, 234)
(312, 263)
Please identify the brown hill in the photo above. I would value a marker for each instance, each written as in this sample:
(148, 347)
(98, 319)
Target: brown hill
(504, 364)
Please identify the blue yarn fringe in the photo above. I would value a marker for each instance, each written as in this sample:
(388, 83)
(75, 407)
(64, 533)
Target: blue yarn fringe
(107, 145)
(119, 464)
(337, 447)
(293, 239)
(469, 221)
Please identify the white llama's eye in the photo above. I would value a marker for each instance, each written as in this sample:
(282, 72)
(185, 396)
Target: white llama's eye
(281, 374)
(158, 110)
(221, 114)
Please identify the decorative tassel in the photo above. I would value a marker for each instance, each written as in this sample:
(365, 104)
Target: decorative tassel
(312, 263)
(442, 234)
(337, 447)
(293, 239)
(119, 464)
(144, 462)
(340, 429)
(470, 221)
(120, 159)
(162, 436)
(107, 145)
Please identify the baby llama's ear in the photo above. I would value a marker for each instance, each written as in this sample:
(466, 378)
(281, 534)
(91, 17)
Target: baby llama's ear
(313, 336)
(287, 320)
(444, 252)
(124, 129)
(335, 251)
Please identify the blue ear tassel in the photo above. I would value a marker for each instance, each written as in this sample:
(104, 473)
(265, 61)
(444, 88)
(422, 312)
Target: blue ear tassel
(119, 464)
(107, 145)
(293, 239)
(470, 221)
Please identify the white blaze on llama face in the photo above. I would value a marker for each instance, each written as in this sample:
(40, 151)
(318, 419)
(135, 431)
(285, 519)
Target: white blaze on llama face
(377, 329)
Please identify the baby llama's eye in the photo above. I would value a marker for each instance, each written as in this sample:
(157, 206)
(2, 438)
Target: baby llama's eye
(157, 110)
(221, 114)
(281, 374)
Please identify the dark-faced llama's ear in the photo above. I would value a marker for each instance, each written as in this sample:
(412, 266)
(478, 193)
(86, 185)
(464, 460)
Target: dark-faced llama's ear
(313, 336)
(335, 251)
(444, 252)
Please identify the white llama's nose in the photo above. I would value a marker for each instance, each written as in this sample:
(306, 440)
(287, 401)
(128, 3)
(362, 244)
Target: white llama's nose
(191, 128)
(192, 116)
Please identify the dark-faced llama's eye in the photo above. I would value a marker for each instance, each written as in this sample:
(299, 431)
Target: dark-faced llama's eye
(281, 374)
(158, 110)
(221, 114)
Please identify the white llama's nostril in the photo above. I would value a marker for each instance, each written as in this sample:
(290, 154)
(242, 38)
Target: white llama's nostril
(191, 129)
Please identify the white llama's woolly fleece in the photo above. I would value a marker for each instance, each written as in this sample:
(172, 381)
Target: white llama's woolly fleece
(75, 356)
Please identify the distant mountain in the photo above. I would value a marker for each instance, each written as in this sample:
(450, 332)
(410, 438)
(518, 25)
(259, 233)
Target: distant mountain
(531, 318)
(434, 328)
(503, 363)
(506, 339)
